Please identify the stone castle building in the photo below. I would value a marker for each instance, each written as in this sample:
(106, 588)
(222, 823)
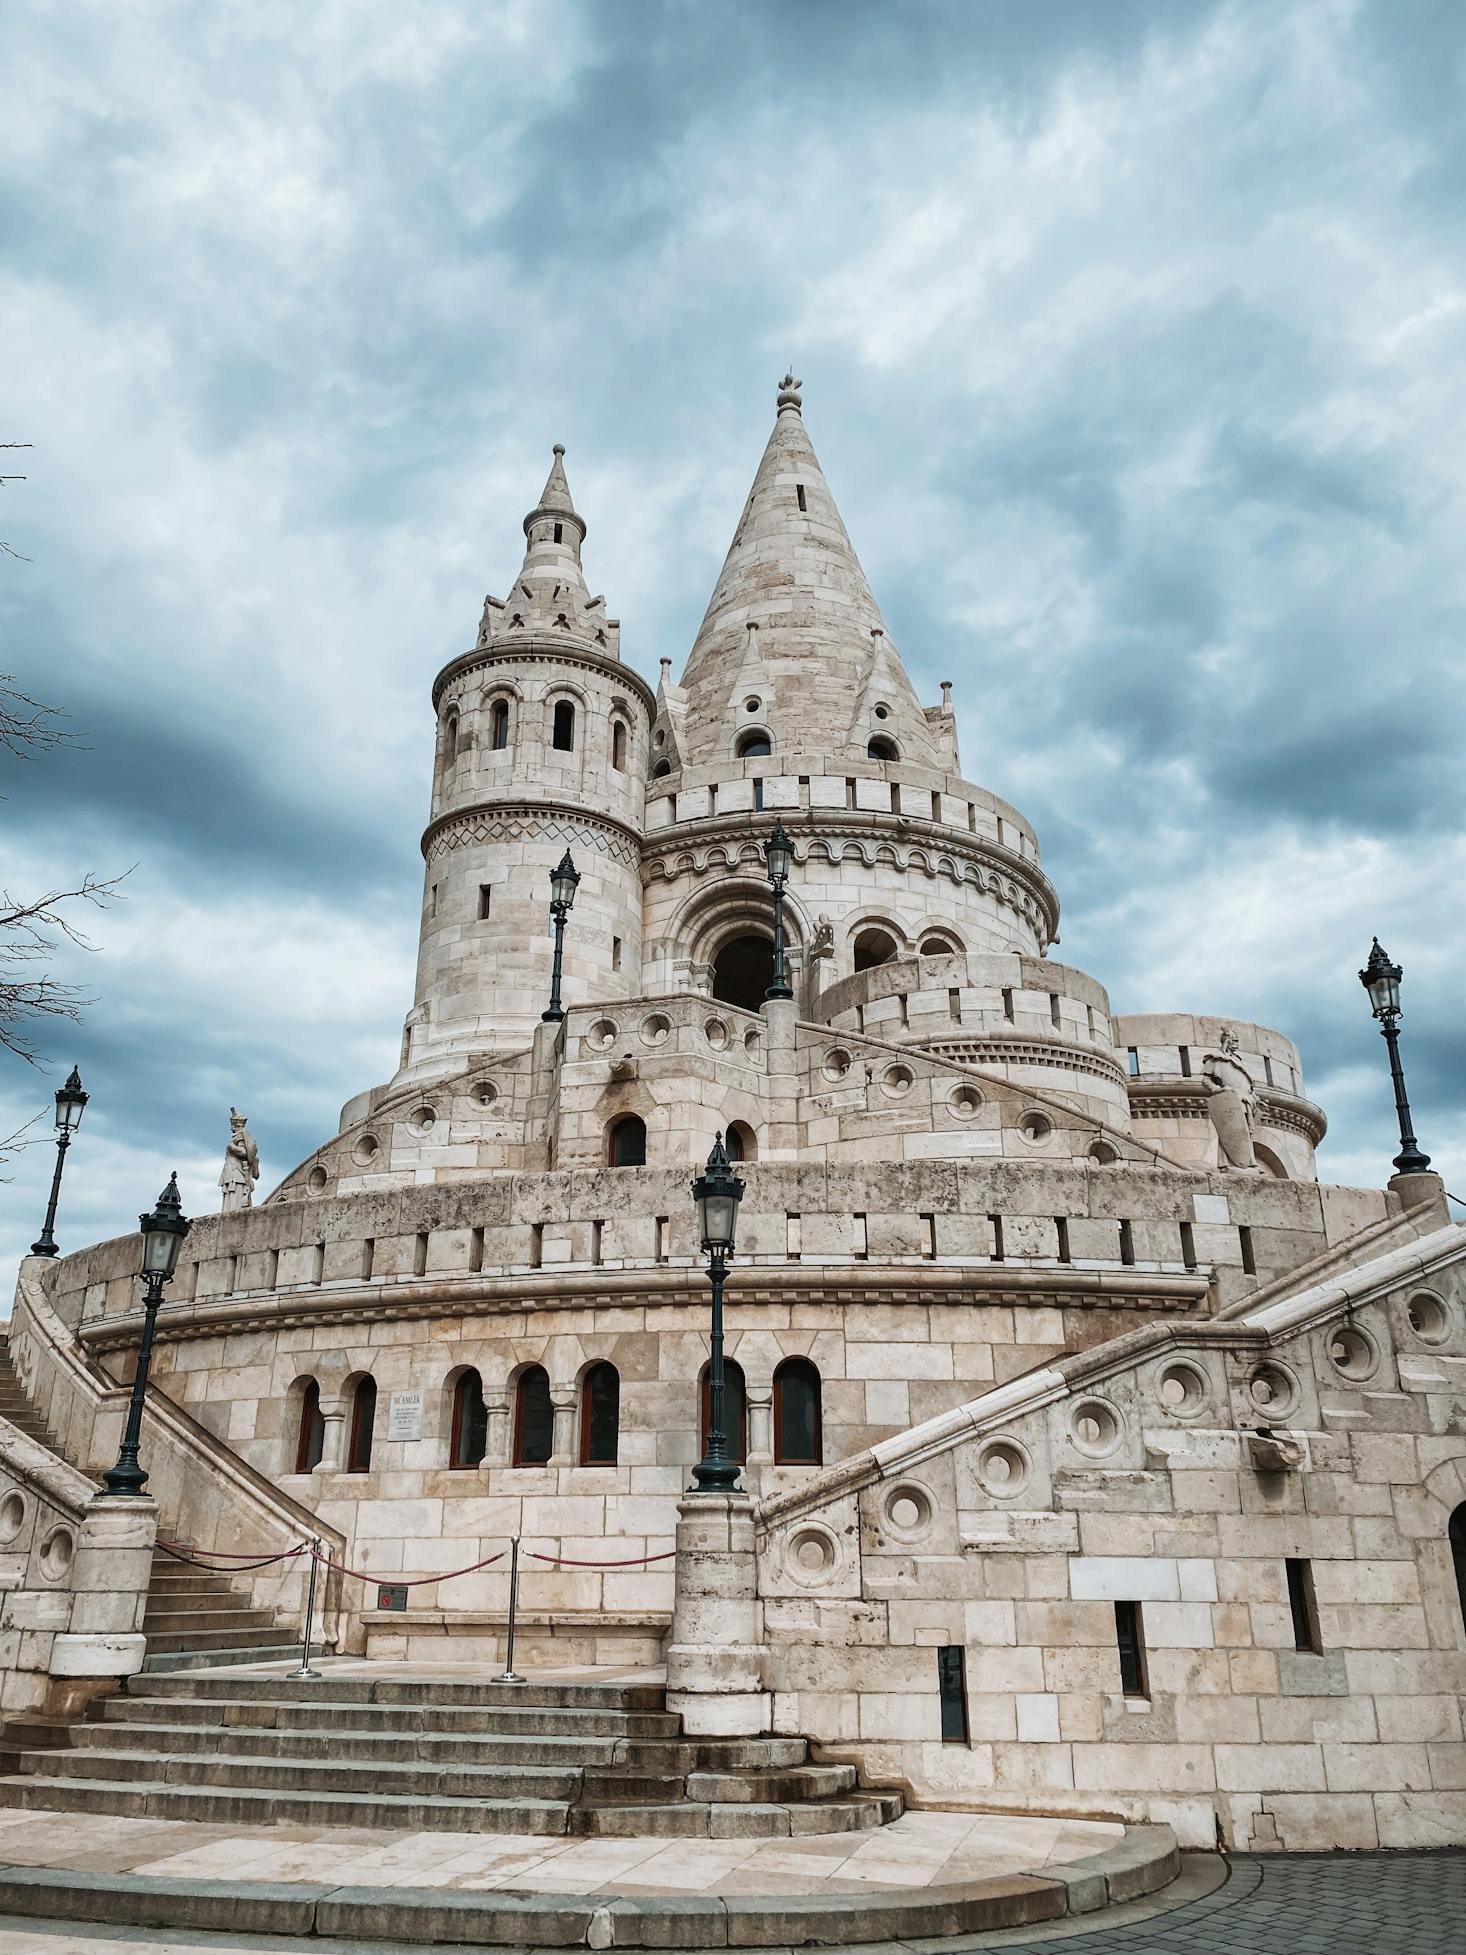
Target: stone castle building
(1100, 1459)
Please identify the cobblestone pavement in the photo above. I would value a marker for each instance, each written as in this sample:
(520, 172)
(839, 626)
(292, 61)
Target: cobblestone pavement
(1297, 1904)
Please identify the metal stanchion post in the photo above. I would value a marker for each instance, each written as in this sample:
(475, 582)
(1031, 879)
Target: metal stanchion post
(305, 1672)
(509, 1674)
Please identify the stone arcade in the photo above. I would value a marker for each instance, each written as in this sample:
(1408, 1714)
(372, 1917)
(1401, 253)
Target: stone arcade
(1100, 1460)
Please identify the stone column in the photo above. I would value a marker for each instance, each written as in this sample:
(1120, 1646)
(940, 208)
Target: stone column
(544, 1063)
(715, 1660)
(497, 1429)
(1420, 1190)
(760, 1427)
(562, 1450)
(109, 1589)
(781, 1131)
(333, 1436)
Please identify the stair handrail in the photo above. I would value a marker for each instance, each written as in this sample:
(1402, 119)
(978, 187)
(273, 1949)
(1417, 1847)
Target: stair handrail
(53, 1342)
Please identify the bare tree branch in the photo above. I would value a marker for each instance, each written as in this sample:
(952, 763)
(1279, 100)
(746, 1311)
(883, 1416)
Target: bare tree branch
(29, 932)
(26, 724)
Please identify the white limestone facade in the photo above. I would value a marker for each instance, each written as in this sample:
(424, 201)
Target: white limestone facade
(986, 1208)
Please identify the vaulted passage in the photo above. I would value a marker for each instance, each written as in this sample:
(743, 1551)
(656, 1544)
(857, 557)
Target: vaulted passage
(743, 970)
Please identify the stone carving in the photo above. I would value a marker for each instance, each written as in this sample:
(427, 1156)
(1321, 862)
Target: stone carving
(822, 943)
(1232, 1104)
(241, 1169)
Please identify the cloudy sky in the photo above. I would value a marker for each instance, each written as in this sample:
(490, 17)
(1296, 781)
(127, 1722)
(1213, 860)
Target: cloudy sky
(1134, 346)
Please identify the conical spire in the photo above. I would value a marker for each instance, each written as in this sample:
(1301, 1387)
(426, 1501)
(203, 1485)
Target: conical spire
(821, 643)
(550, 592)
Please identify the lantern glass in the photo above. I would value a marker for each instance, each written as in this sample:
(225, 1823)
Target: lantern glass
(563, 881)
(1381, 979)
(779, 854)
(70, 1104)
(163, 1232)
(717, 1193)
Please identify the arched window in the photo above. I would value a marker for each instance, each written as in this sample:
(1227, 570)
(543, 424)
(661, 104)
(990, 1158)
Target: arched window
(563, 736)
(661, 770)
(618, 745)
(470, 1436)
(751, 745)
(798, 1434)
(600, 1415)
(626, 1142)
(450, 741)
(937, 947)
(499, 725)
(743, 970)
(534, 1418)
(363, 1422)
(310, 1441)
(1456, 1533)
(735, 1411)
(740, 1143)
(874, 947)
(880, 748)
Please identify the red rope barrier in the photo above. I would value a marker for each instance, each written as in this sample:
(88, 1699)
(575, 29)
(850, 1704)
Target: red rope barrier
(635, 1561)
(238, 1567)
(417, 1581)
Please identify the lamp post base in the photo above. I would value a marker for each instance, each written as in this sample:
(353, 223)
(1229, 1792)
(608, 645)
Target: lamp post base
(716, 1476)
(126, 1478)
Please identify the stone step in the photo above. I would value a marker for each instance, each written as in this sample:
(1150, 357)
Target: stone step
(336, 1741)
(189, 1661)
(254, 1806)
(461, 1778)
(176, 1622)
(531, 1721)
(231, 1637)
(646, 1700)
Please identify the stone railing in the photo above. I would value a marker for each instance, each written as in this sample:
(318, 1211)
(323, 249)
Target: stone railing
(208, 1497)
(73, 1580)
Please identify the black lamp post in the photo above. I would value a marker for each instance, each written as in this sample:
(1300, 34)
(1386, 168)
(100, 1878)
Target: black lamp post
(779, 855)
(70, 1104)
(163, 1232)
(564, 879)
(1381, 979)
(717, 1192)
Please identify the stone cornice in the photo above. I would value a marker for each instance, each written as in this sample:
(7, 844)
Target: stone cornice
(1174, 1096)
(569, 1289)
(1030, 1050)
(518, 808)
(873, 831)
(539, 649)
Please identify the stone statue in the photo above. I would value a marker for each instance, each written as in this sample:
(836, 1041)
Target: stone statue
(241, 1169)
(822, 943)
(1232, 1104)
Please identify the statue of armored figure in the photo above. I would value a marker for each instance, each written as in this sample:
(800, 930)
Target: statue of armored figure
(1232, 1104)
(241, 1169)
(822, 943)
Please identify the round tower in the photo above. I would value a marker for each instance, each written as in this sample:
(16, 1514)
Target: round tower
(543, 742)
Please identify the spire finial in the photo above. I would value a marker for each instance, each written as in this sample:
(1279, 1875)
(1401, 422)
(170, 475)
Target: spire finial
(558, 449)
(789, 393)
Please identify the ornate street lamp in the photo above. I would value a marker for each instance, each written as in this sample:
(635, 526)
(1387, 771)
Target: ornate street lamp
(564, 880)
(70, 1105)
(1381, 979)
(779, 855)
(716, 1193)
(163, 1232)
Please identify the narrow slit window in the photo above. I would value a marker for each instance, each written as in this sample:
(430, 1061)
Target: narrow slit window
(1008, 1004)
(860, 1247)
(664, 1238)
(1054, 1019)
(792, 1237)
(536, 1244)
(311, 1433)
(1061, 1227)
(799, 492)
(929, 1235)
(1244, 1243)
(1267, 1070)
(995, 1223)
(1185, 1051)
(420, 1254)
(559, 532)
(1303, 1605)
(485, 897)
(476, 1253)
(597, 1237)
(1132, 1062)
(758, 796)
(562, 737)
(615, 953)
(499, 725)
(1130, 1641)
(936, 805)
(952, 1691)
(954, 1007)
(1127, 1243)
(1188, 1245)
(368, 1259)
(363, 1425)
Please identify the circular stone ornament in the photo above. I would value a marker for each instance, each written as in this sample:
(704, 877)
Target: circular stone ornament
(1003, 1467)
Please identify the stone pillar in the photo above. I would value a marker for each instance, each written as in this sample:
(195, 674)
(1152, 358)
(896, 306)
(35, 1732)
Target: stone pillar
(1420, 1190)
(497, 1429)
(333, 1437)
(781, 1131)
(544, 1069)
(562, 1449)
(715, 1661)
(109, 1589)
(760, 1406)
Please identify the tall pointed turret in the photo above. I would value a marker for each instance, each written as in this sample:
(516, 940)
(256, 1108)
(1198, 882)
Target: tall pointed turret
(550, 592)
(819, 659)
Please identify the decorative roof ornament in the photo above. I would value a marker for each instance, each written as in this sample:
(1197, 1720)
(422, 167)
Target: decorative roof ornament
(789, 393)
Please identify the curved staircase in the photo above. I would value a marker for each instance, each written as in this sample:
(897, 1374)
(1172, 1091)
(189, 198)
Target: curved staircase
(195, 1618)
(540, 1758)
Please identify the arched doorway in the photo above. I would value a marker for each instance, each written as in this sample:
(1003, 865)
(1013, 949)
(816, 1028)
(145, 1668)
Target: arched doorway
(743, 970)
